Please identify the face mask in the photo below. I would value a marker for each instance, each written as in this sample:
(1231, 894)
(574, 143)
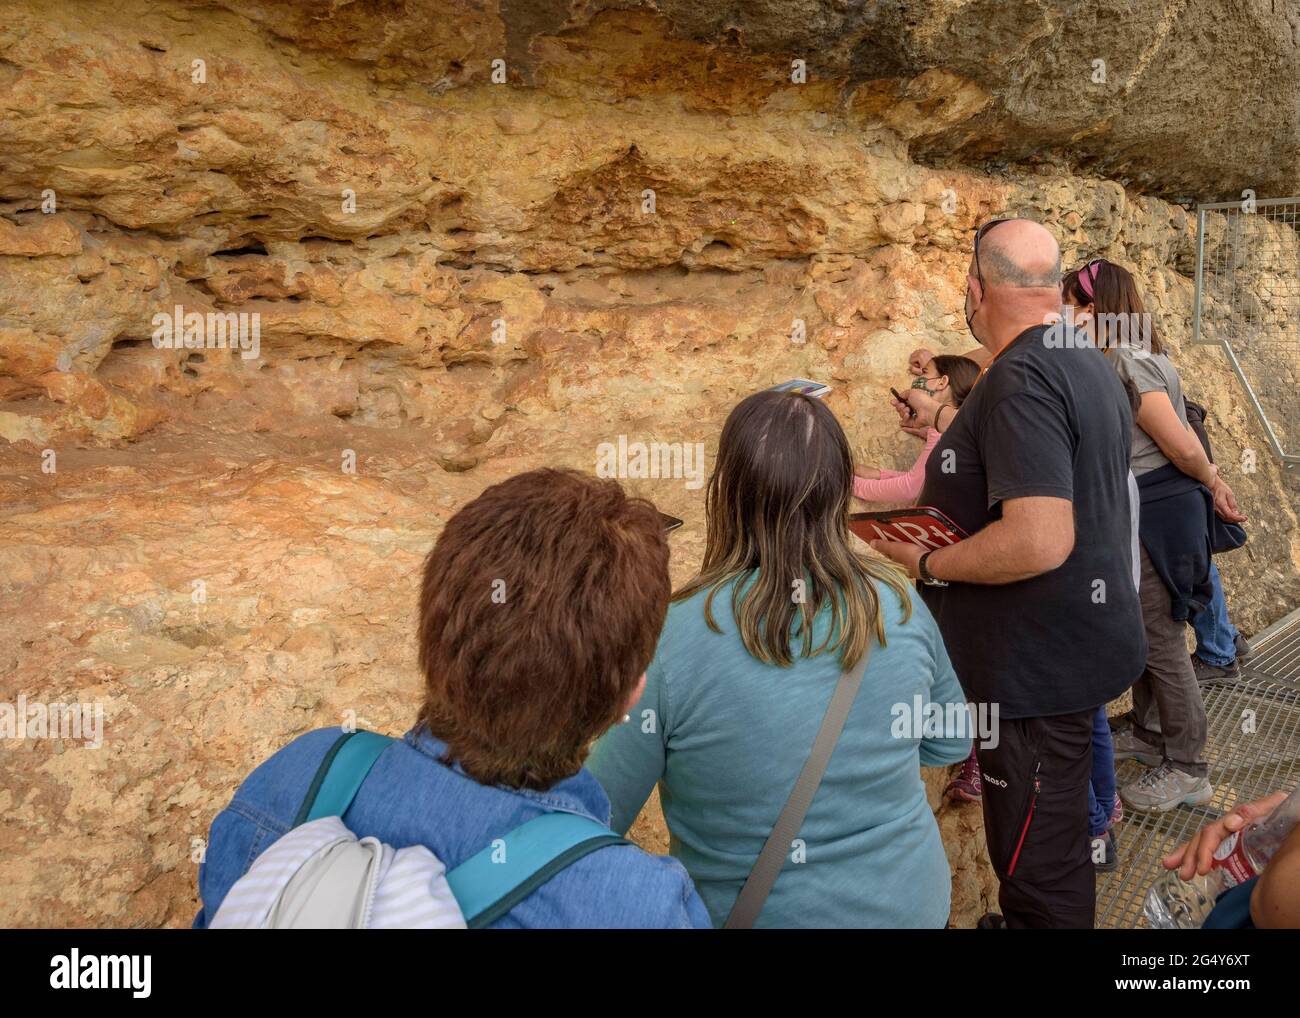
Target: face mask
(970, 315)
(919, 383)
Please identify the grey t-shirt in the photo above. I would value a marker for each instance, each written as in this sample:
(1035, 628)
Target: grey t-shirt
(1149, 372)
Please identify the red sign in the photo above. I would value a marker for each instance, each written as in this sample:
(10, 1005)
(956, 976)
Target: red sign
(921, 525)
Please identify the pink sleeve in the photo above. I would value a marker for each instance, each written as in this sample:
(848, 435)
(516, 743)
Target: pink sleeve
(896, 487)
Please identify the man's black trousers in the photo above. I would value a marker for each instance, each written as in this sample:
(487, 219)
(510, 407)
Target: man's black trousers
(1036, 820)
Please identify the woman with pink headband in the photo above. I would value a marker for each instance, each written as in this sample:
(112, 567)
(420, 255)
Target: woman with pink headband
(1180, 490)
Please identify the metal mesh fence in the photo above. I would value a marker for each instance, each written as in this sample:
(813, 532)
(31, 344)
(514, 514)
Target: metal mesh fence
(1247, 298)
(1250, 755)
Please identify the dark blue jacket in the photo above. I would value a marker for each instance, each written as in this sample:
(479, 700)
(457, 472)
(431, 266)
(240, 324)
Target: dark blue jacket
(1180, 530)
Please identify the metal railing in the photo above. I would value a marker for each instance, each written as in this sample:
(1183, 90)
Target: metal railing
(1247, 301)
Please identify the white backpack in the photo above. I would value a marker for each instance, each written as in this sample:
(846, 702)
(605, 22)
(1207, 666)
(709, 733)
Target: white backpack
(321, 876)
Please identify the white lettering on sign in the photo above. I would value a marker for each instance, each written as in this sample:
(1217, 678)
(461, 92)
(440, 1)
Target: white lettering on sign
(935, 537)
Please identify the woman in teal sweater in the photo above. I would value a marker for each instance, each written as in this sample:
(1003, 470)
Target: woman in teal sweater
(742, 677)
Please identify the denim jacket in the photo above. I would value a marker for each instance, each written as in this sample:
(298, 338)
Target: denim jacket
(411, 798)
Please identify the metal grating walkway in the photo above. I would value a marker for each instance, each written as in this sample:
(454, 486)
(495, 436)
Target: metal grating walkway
(1244, 765)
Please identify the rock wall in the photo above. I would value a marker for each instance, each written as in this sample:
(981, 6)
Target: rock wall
(457, 279)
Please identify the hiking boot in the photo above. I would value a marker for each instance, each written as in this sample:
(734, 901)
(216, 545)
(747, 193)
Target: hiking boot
(1104, 852)
(967, 785)
(1244, 649)
(1117, 811)
(1206, 672)
(1164, 788)
(1129, 747)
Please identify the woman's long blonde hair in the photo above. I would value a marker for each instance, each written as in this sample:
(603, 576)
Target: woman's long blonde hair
(778, 508)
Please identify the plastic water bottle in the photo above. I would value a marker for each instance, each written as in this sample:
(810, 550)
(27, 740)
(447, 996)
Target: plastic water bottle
(1177, 904)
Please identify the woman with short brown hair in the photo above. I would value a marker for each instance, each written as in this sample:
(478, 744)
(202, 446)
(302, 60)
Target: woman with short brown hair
(539, 610)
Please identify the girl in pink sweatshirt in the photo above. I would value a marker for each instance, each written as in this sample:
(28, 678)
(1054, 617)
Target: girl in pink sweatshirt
(948, 379)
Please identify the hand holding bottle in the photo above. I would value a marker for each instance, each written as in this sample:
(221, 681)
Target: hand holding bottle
(1197, 856)
(1224, 854)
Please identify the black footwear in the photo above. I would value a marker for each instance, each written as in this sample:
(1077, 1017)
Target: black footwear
(1244, 649)
(991, 921)
(1206, 672)
(1104, 852)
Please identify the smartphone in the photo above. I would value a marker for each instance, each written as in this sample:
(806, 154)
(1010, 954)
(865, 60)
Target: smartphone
(804, 385)
(669, 522)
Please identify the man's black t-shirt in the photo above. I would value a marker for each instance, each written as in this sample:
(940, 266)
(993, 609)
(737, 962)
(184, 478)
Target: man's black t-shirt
(1042, 422)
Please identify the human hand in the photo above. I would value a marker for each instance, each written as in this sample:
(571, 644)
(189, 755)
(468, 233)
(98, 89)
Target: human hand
(918, 359)
(1195, 858)
(1225, 502)
(917, 409)
(905, 553)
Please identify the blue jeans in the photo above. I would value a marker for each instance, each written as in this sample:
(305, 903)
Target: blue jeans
(1215, 636)
(1101, 789)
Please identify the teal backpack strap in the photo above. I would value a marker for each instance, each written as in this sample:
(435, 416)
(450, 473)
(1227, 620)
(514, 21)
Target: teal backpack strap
(491, 883)
(340, 774)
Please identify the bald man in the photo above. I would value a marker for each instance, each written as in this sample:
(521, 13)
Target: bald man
(1037, 606)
